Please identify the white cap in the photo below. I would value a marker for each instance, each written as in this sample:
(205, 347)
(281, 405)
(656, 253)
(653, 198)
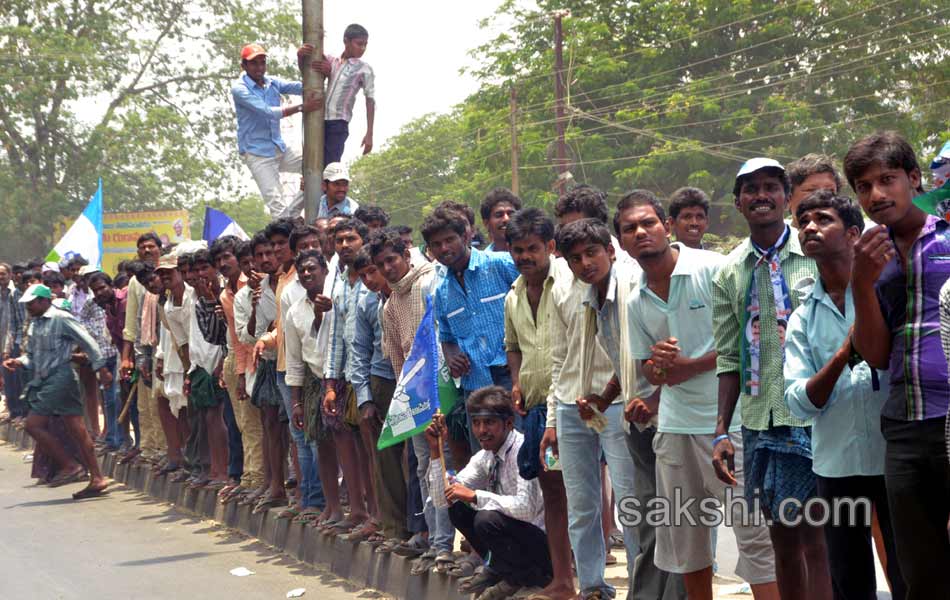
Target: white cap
(756, 164)
(336, 172)
(50, 266)
(37, 290)
(87, 269)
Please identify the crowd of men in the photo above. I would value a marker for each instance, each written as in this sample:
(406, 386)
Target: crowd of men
(603, 368)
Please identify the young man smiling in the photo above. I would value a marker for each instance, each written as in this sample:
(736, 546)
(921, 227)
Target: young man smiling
(899, 268)
(670, 325)
(689, 216)
(831, 384)
(764, 277)
(496, 210)
(499, 512)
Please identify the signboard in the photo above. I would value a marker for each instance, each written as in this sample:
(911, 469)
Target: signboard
(121, 230)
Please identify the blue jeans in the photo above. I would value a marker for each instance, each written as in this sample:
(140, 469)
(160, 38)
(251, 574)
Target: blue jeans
(110, 407)
(580, 449)
(235, 445)
(415, 518)
(441, 530)
(311, 490)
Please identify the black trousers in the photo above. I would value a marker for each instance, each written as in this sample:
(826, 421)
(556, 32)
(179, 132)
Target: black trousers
(917, 475)
(850, 548)
(519, 550)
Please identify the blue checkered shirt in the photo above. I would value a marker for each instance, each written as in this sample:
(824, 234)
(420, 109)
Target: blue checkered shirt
(474, 317)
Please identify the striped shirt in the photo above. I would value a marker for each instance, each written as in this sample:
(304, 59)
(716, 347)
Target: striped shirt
(347, 77)
(910, 303)
(346, 297)
(730, 290)
(474, 316)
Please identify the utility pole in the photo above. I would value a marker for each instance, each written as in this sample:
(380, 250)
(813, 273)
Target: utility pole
(513, 109)
(561, 162)
(313, 121)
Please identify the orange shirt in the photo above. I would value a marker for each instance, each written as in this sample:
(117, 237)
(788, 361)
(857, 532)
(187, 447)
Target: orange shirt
(243, 353)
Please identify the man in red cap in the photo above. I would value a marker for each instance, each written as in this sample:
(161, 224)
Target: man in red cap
(257, 103)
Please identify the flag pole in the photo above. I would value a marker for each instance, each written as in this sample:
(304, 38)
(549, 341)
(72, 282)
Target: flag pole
(445, 474)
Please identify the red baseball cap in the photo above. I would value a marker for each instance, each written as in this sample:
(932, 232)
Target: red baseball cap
(252, 51)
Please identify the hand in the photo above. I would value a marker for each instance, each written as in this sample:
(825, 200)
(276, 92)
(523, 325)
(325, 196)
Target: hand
(638, 411)
(518, 400)
(259, 348)
(585, 405)
(125, 370)
(219, 374)
(321, 66)
(186, 388)
(146, 375)
(459, 493)
(219, 311)
(105, 377)
(369, 414)
(548, 440)
(254, 280)
(367, 143)
(311, 103)
(256, 296)
(202, 288)
(435, 432)
(11, 364)
(459, 365)
(322, 304)
(305, 51)
(329, 403)
(242, 388)
(79, 358)
(724, 461)
(296, 416)
(665, 353)
(872, 252)
(160, 369)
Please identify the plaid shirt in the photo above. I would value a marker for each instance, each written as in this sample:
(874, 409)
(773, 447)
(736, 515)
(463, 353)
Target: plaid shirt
(346, 298)
(474, 316)
(910, 301)
(729, 302)
(93, 318)
(18, 321)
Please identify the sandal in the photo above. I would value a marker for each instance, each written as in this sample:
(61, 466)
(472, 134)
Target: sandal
(616, 540)
(444, 561)
(480, 582)
(90, 492)
(424, 563)
(267, 502)
(465, 566)
(413, 547)
(307, 515)
(289, 513)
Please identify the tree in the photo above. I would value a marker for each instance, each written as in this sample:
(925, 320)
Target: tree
(137, 93)
(666, 93)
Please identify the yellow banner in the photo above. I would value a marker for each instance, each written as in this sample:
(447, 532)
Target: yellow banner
(121, 230)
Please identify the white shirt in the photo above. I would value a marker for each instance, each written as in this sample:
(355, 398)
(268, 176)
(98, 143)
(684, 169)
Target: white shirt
(202, 353)
(515, 497)
(179, 320)
(306, 346)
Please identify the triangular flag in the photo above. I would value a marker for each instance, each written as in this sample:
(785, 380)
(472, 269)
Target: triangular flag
(424, 386)
(85, 236)
(218, 224)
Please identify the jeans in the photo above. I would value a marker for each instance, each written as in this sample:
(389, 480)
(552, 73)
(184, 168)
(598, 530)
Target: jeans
(441, 530)
(850, 548)
(415, 518)
(311, 490)
(235, 445)
(335, 133)
(110, 407)
(917, 477)
(580, 449)
(266, 172)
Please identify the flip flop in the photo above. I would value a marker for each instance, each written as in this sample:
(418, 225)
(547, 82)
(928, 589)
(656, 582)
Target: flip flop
(90, 492)
(444, 561)
(307, 515)
(465, 566)
(266, 503)
(290, 512)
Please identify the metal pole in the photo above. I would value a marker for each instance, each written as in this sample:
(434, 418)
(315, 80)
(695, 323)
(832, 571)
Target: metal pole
(559, 106)
(313, 121)
(514, 141)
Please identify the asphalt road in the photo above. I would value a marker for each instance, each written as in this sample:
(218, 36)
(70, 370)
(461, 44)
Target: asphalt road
(127, 546)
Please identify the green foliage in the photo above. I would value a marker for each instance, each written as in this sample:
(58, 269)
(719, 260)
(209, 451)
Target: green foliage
(666, 93)
(137, 93)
